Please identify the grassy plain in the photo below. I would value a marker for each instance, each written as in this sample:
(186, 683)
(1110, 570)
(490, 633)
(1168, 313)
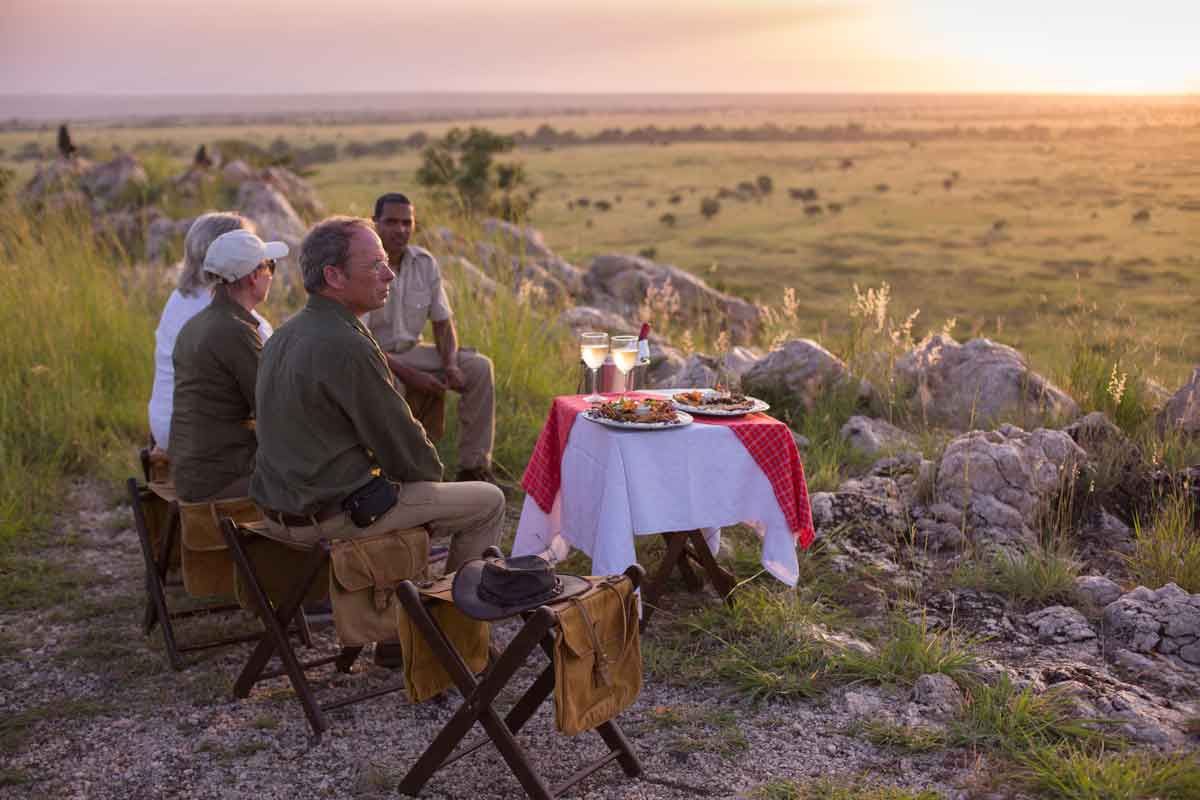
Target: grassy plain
(1027, 238)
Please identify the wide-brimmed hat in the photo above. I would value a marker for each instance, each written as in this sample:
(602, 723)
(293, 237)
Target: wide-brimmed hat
(236, 254)
(494, 588)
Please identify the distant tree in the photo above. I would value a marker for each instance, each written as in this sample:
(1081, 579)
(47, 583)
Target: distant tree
(417, 140)
(675, 199)
(765, 184)
(603, 205)
(668, 220)
(710, 207)
(201, 159)
(65, 148)
(648, 252)
(461, 168)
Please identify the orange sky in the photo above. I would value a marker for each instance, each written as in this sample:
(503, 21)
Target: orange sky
(170, 46)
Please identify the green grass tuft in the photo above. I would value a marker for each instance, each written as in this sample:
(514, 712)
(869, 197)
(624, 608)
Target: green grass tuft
(1071, 773)
(1001, 717)
(1167, 550)
(908, 649)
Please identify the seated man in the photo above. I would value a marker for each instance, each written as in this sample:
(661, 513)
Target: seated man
(339, 453)
(216, 354)
(417, 295)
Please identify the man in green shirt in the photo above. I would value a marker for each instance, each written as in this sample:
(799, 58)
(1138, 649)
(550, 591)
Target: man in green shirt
(216, 356)
(330, 419)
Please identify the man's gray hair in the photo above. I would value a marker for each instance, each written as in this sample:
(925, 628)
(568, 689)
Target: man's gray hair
(206, 228)
(328, 244)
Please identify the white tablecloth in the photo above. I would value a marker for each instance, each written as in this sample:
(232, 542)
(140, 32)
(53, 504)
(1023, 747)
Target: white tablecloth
(620, 483)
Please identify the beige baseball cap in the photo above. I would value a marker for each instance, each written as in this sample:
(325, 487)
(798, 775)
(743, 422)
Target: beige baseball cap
(236, 254)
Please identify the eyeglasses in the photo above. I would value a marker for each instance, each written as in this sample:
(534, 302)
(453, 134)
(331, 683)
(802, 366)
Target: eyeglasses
(269, 263)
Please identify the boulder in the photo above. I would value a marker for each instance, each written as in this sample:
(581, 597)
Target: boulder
(961, 386)
(192, 181)
(802, 370)
(299, 192)
(521, 240)
(871, 436)
(1096, 590)
(622, 283)
(1000, 480)
(476, 281)
(235, 173)
(164, 238)
(1094, 432)
(275, 218)
(114, 182)
(1166, 622)
(56, 177)
(665, 363)
(1182, 411)
(1060, 625)
(697, 371)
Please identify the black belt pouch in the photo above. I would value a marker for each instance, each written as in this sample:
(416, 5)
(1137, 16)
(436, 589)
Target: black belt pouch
(370, 501)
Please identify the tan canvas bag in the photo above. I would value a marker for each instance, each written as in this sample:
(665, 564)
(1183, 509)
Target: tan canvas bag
(597, 655)
(424, 675)
(362, 583)
(278, 565)
(208, 569)
(156, 501)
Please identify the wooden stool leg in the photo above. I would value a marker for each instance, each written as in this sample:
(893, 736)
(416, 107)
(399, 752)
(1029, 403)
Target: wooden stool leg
(154, 586)
(275, 624)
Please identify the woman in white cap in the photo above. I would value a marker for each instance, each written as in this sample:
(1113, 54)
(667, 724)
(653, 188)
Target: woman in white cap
(212, 441)
(192, 295)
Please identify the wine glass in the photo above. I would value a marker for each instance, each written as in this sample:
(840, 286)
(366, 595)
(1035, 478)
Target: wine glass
(594, 347)
(625, 354)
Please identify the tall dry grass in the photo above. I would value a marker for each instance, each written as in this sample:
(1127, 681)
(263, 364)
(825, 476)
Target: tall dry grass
(76, 360)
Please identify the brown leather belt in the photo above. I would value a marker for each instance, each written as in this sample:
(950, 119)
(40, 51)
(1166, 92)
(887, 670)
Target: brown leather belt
(301, 520)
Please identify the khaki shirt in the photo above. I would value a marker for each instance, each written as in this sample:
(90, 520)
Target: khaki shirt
(417, 295)
(329, 415)
(212, 440)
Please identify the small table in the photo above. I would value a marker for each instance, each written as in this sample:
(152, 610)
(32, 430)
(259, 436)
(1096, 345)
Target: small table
(616, 484)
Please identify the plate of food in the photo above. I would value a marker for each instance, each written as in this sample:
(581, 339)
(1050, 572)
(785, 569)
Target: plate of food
(712, 402)
(638, 414)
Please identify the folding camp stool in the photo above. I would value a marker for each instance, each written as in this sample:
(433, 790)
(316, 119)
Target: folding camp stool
(479, 694)
(305, 586)
(684, 548)
(152, 496)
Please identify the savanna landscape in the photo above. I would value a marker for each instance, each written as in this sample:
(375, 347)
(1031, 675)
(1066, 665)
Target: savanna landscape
(1003, 600)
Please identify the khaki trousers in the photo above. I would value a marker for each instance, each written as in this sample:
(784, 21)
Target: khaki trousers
(476, 409)
(470, 513)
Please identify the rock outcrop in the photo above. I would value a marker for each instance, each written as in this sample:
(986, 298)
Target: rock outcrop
(801, 370)
(871, 436)
(1182, 411)
(961, 386)
(999, 480)
(1164, 622)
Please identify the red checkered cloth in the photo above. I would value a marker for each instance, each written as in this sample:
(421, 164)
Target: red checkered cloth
(768, 441)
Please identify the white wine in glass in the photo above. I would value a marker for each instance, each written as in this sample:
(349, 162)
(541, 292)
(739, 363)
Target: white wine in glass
(624, 353)
(594, 347)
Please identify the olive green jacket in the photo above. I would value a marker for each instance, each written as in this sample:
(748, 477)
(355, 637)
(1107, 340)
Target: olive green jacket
(212, 440)
(329, 415)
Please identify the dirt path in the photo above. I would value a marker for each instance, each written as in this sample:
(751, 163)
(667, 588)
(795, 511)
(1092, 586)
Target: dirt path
(91, 709)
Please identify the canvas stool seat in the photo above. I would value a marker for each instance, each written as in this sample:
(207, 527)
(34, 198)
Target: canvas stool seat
(359, 576)
(580, 646)
(184, 537)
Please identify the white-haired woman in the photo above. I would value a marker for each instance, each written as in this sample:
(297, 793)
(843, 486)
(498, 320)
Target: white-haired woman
(192, 295)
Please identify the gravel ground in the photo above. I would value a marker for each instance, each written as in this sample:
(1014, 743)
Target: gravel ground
(91, 709)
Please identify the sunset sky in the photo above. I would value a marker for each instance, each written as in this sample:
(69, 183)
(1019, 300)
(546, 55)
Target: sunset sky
(172, 47)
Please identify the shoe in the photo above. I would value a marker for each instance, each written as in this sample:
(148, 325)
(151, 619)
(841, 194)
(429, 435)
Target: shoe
(389, 655)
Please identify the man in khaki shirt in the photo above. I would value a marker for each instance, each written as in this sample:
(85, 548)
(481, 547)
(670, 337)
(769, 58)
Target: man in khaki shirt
(330, 417)
(417, 295)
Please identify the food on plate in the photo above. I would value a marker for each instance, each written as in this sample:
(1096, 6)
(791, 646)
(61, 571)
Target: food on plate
(717, 401)
(636, 410)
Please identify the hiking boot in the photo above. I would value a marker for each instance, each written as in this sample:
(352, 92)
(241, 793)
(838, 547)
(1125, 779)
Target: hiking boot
(389, 655)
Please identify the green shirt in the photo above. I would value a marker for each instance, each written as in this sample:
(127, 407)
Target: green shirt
(329, 414)
(212, 440)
